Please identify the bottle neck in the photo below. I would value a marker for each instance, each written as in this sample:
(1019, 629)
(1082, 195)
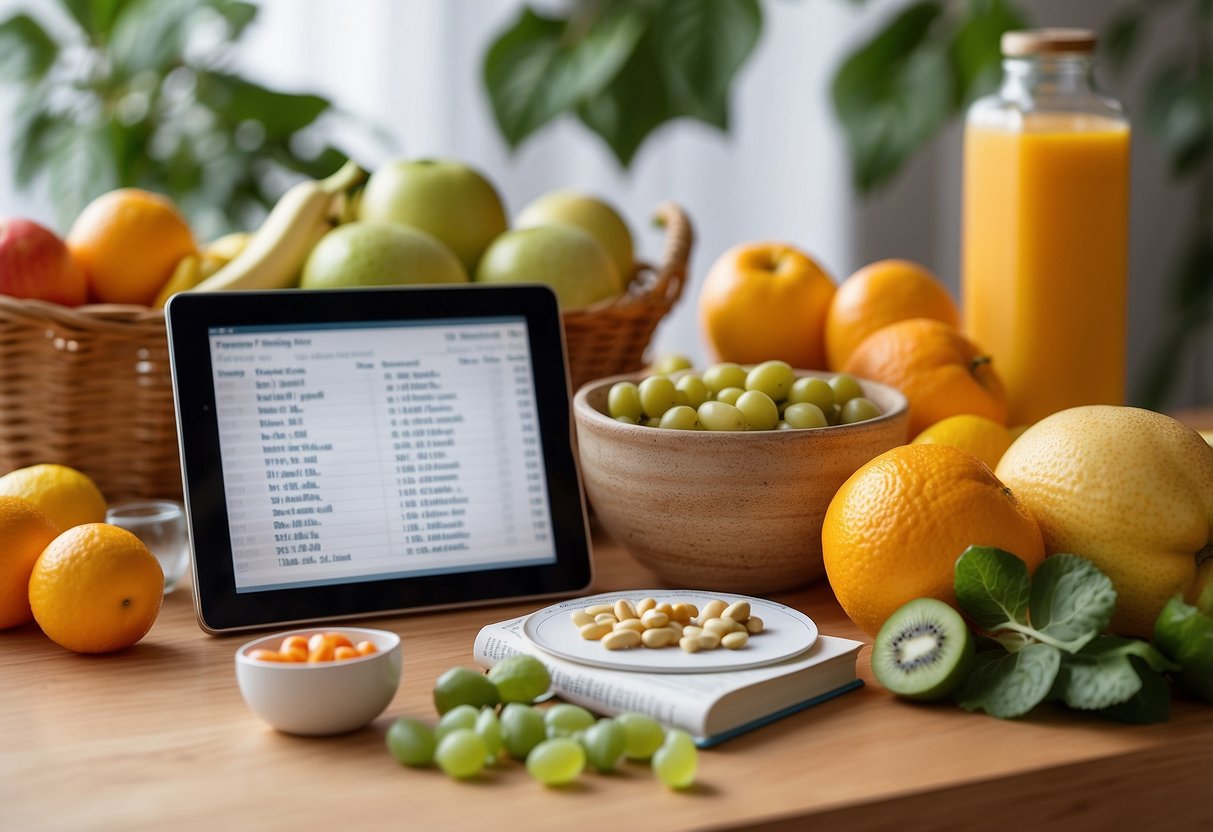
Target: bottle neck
(1048, 76)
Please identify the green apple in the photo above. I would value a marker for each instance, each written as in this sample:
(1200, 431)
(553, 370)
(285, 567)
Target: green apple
(379, 254)
(590, 214)
(447, 199)
(562, 256)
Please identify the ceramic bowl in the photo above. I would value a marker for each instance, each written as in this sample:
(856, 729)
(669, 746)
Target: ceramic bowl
(737, 511)
(322, 698)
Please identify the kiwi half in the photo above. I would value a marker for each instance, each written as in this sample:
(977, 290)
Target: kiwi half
(923, 651)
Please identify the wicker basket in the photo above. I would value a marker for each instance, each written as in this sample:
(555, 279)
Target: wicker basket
(90, 387)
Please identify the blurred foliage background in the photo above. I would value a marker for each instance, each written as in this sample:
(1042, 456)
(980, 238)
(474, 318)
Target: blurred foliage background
(144, 93)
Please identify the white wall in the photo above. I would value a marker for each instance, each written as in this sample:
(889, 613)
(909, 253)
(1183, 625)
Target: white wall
(412, 67)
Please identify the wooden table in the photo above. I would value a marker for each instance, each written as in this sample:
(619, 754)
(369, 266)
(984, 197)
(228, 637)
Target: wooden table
(157, 737)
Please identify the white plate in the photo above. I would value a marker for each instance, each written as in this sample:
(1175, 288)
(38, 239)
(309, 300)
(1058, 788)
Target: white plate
(786, 633)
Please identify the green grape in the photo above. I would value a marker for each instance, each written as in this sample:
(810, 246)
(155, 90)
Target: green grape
(642, 735)
(771, 377)
(671, 363)
(461, 753)
(522, 729)
(411, 742)
(656, 396)
(556, 761)
(721, 416)
(680, 398)
(627, 420)
(564, 719)
(726, 374)
(520, 678)
(604, 742)
(812, 390)
(858, 410)
(654, 422)
(488, 726)
(805, 415)
(729, 395)
(783, 425)
(845, 388)
(623, 399)
(463, 686)
(676, 761)
(680, 417)
(693, 388)
(834, 415)
(759, 410)
(461, 716)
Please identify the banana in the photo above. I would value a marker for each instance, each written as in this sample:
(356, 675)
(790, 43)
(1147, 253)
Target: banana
(227, 247)
(274, 256)
(185, 276)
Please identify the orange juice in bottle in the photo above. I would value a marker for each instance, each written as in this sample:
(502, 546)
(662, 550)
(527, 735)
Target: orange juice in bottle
(1046, 208)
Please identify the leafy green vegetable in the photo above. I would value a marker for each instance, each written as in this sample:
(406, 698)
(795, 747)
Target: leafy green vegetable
(992, 587)
(1152, 703)
(1044, 639)
(1185, 634)
(1071, 603)
(1007, 685)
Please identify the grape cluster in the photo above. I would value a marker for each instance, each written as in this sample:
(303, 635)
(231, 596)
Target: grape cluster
(727, 396)
(556, 743)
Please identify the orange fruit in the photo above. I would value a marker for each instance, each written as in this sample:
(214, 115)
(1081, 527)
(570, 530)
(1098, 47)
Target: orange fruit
(983, 438)
(880, 294)
(129, 242)
(765, 301)
(1130, 489)
(96, 588)
(67, 496)
(24, 533)
(940, 371)
(893, 531)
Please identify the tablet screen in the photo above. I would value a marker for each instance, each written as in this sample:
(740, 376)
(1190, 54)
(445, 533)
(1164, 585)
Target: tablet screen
(362, 451)
(353, 452)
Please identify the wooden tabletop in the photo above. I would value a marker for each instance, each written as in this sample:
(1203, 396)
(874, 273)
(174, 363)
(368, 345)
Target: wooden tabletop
(157, 737)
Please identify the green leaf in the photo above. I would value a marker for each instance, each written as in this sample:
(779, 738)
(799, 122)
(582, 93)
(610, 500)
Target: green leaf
(26, 50)
(1151, 704)
(237, 14)
(279, 113)
(1178, 112)
(631, 107)
(150, 36)
(537, 69)
(976, 49)
(1185, 634)
(1100, 674)
(992, 587)
(893, 94)
(96, 17)
(1072, 601)
(1008, 685)
(700, 45)
(80, 166)
(1122, 36)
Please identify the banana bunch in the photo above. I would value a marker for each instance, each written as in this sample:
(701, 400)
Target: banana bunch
(273, 255)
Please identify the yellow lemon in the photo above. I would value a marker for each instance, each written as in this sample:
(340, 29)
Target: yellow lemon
(1130, 489)
(67, 496)
(983, 438)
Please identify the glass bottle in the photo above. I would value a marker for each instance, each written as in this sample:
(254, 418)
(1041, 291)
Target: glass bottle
(1046, 225)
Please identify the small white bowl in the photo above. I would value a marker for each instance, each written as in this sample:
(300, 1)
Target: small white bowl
(323, 698)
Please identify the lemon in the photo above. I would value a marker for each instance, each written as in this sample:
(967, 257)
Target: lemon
(1130, 489)
(983, 438)
(67, 496)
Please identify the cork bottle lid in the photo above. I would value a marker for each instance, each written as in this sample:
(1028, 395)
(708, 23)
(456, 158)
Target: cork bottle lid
(1027, 42)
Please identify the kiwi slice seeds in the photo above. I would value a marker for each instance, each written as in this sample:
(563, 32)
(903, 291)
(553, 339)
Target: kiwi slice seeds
(923, 651)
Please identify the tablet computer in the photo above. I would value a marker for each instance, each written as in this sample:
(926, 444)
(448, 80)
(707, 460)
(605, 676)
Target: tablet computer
(369, 451)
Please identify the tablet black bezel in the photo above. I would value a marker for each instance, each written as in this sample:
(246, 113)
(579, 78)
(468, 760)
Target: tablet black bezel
(220, 608)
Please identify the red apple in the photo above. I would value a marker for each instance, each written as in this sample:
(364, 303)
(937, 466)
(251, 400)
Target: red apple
(35, 263)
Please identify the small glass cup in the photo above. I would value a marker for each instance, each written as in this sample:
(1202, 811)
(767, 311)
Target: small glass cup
(160, 524)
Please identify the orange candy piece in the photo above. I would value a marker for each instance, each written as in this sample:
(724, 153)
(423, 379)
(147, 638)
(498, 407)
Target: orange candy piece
(321, 647)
